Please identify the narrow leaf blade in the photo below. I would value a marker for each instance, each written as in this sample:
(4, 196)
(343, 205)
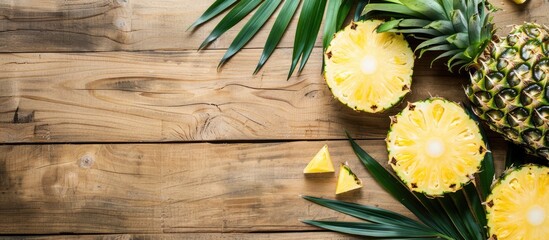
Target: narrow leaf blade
(215, 9)
(279, 28)
(249, 30)
(243, 8)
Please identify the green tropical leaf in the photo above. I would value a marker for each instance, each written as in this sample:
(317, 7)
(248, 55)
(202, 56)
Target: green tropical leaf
(307, 30)
(330, 24)
(250, 28)
(344, 11)
(372, 214)
(434, 41)
(454, 213)
(432, 217)
(243, 8)
(429, 8)
(391, 8)
(359, 8)
(373, 230)
(278, 30)
(466, 213)
(475, 204)
(215, 9)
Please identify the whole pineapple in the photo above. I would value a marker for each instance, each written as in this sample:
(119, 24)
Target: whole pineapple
(508, 75)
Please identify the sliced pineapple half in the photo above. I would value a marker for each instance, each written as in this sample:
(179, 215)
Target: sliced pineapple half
(347, 180)
(321, 162)
(434, 146)
(366, 70)
(518, 207)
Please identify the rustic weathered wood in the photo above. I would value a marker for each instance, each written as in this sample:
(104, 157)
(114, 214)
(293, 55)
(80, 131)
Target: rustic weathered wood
(179, 96)
(162, 188)
(196, 236)
(87, 25)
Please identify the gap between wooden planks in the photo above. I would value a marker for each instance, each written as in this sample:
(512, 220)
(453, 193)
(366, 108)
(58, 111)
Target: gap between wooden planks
(136, 25)
(180, 96)
(163, 188)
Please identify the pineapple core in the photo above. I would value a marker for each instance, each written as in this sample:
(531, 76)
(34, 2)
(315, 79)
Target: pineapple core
(368, 65)
(536, 215)
(435, 148)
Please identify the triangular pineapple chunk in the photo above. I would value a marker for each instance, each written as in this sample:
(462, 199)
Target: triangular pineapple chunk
(347, 180)
(321, 163)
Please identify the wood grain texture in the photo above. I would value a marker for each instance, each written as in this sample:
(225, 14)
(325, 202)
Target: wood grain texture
(132, 25)
(179, 96)
(195, 236)
(112, 25)
(168, 188)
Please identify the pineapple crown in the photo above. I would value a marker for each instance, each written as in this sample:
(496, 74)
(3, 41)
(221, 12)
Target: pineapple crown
(460, 29)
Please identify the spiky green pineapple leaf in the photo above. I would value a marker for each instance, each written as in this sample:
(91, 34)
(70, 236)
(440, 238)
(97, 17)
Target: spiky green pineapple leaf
(374, 230)
(242, 8)
(257, 21)
(358, 11)
(215, 9)
(368, 213)
(457, 18)
(308, 26)
(428, 8)
(279, 28)
(390, 7)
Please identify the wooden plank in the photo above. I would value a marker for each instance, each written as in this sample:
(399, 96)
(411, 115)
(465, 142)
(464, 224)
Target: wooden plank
(132, 25)
(166, 188)
(179, 96)
(196, 236)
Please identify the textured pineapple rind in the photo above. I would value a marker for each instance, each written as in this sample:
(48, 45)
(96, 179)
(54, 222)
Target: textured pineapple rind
(381, 109)
(510, 90)
(408, 184)
(503, 179)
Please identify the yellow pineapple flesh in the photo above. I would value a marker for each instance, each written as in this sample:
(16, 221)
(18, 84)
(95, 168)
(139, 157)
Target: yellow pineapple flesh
(434, 146)
(366, 70)
(518, 207)
(321, 162)
(347, 180)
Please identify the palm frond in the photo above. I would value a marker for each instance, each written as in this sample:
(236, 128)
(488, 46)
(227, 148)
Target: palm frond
(308, 26)
(458, 215)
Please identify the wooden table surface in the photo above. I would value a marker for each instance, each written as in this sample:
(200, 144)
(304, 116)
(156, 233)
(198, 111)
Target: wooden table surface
(112, 125)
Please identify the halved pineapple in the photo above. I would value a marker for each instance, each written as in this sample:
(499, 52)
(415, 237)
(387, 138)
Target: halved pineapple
(366, 70)
(347, 180)
(434, 146)
(518, 207)
(321, 162)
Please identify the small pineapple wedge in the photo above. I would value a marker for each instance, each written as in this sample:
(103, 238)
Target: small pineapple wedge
(321, 162)
(434, 146)
(347, 180)
(366, 70)
(518, 207)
